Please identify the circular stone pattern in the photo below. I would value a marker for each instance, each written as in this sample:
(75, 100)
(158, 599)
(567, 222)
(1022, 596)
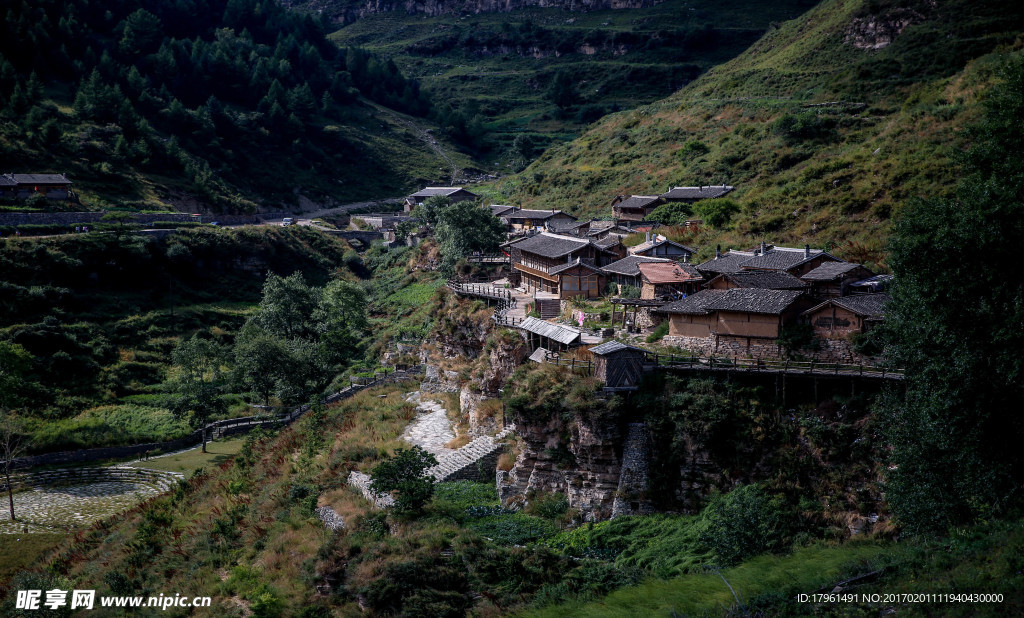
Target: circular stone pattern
(58, 500)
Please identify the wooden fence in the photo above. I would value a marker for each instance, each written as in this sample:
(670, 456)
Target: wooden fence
(502, 297)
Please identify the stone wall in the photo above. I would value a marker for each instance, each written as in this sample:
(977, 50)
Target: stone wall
(631, 496)
(830, 350)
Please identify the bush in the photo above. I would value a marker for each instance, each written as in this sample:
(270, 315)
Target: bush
(742, 524)
(658, 333)
(406, 473)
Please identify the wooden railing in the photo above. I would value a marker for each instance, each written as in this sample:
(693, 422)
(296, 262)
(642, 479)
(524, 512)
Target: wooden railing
(576, 365)
(504, 298)
(488, 258)
(772, 365)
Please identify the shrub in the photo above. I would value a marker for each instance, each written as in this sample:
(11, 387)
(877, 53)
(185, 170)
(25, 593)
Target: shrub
(658, 333)
(742, 524)
(406, 473)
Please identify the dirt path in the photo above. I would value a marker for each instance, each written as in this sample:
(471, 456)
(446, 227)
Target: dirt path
(423, 135)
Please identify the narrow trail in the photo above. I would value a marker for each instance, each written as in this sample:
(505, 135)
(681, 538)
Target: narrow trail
(423, 135)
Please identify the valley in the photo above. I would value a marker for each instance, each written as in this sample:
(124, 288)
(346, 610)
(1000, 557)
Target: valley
(456, 309)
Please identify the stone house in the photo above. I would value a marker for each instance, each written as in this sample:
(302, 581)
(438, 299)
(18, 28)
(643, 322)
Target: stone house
(519, 221)
(690, 195)
(661, 247)
(53, 186)
(542, 259)
(739, 320)
(833, 279)
(765, 279)
(634, 207)
(792, 260)
(455, 194)
(627, 271)
(618, 365)
(664, 280)
(838, 318)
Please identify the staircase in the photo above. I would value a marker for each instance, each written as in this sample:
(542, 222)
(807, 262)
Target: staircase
(474, 462)
(548, 308)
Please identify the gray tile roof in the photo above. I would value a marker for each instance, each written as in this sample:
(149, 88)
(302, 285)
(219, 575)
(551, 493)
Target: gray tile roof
(43, 179)
(742, 300)
(568, 227)
(628, 264)
(500, 209)
(557, 269)
(784, 258)
(696, 193)
(432, 191)
(829, 271)
(767, 279)
(6, 181)
(652, 244)
(608, 241)
(613, 346)
(556, 332)
(639, 201)
(868, 305)
(551, 245)
(535, 214)
(728, 263)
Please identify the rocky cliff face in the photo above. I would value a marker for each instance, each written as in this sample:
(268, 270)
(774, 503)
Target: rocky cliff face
(580, 459)
(348, 11)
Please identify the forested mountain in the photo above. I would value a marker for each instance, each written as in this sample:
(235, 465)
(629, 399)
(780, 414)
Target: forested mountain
(825, 126)
(510, 78)
(236, 102)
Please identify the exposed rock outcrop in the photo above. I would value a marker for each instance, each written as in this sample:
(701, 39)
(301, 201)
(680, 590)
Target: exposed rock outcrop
(579, 459)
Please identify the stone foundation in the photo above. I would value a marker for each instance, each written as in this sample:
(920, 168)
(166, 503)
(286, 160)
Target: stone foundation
(829, 350)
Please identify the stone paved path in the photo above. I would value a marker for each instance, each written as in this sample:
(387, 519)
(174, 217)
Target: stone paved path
(63, 499)
(431, 429)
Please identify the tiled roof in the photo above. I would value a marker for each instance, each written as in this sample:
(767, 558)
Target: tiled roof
(743, 300)
(568, 227)
(696, 193)
(608, 241)
(728, 263)
(651, 244)
(829, 271)
(432, 191)
(868, 305)
(784, 258)
(598, 225)
(6, 181)
(535, 214)
(557, 332)
(43, 179)
(639, 201)
(628, 264)
(552, 245)
(670, 272)
(767, 279)
(613, 346)
(557, 269)
(499, 209)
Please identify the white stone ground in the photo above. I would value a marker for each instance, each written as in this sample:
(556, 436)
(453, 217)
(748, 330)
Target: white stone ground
(431, 429)
(64, 499)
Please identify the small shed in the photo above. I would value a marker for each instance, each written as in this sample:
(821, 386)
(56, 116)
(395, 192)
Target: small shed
(838, 318)
(618, 365)
(551, 336)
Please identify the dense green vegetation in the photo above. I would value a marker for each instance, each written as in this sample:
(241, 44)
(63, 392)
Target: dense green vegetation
(956, 431)
(509, 84)
(89, 323)
(152, 102)
(885, 129)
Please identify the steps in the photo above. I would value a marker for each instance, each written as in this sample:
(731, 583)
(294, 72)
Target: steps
(548, 308)
(157, 479)
(474, 462)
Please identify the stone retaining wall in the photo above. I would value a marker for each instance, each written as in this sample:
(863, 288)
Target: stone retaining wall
(74, 218)
(830, 350)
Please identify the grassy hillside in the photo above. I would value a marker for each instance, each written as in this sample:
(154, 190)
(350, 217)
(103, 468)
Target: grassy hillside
(499, 68)
(229, 106)
(823, 137)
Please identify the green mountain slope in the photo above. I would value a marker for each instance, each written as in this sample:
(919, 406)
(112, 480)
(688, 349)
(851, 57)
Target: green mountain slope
(500, 68)
(825, 126)
(234, 104)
